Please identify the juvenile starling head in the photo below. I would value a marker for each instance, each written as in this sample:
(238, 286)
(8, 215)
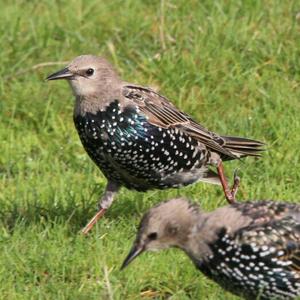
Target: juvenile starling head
(164, 226)
(87, 75)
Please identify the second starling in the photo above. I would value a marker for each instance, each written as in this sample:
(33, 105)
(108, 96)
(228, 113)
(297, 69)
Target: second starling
(139, 139)
(251, 249)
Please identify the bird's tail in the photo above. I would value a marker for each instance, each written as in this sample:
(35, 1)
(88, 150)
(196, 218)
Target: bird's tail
(241, 147)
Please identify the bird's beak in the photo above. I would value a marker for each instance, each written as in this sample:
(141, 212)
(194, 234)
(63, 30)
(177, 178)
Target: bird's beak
(62, 74)
(135, 251)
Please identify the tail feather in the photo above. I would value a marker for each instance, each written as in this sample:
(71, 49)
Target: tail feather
(241, 147)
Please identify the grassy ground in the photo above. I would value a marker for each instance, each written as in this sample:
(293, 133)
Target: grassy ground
(233, 65)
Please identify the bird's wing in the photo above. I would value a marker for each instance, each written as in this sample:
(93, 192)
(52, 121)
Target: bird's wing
(161, 112)
(278, 238)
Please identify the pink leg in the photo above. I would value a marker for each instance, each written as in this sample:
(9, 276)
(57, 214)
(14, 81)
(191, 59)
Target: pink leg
(104, 203)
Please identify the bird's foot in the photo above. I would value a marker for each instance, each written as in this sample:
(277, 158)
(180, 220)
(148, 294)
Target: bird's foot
(236, 184)
(104, 203)
(230, 196)
(93, 221)
(230, 193)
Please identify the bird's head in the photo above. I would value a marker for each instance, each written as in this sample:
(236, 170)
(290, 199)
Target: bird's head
(164, 226)
(87, 75)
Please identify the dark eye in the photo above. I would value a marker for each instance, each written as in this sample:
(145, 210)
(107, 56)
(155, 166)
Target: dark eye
(89, 72)
(152, 236)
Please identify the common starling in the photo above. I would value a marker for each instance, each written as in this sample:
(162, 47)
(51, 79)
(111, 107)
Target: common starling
(139, 139)
(251, 249)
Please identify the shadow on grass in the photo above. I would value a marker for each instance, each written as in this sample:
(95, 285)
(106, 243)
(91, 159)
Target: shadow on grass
(73, 214)
(76, 214)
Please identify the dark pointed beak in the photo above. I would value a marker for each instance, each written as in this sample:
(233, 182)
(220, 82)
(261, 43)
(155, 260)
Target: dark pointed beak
(62, 74)
(135, 251)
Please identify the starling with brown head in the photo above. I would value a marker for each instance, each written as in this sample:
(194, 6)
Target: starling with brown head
(139, 139)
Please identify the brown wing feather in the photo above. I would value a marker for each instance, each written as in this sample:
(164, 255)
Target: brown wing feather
(161, 112)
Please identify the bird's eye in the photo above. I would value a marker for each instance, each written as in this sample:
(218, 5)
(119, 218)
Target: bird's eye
(89, 72)
(152, 236)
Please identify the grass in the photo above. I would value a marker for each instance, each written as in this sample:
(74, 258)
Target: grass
(233, 65)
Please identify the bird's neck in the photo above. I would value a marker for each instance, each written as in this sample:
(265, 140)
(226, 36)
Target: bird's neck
(207, 227)
(94, 103)
(197, 244)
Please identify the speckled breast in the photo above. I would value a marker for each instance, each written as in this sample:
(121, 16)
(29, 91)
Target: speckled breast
(249, 270)
(133, 152)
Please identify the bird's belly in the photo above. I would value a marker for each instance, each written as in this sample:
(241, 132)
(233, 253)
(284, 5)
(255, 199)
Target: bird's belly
(140, 155)
(141, 165)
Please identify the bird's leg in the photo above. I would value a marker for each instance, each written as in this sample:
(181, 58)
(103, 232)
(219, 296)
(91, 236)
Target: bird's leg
(229, 192)
(105, 202)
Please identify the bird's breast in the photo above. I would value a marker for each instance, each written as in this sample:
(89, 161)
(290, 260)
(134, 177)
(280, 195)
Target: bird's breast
(123, 137)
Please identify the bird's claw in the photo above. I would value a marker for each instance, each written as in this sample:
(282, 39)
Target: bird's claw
(236, 184)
